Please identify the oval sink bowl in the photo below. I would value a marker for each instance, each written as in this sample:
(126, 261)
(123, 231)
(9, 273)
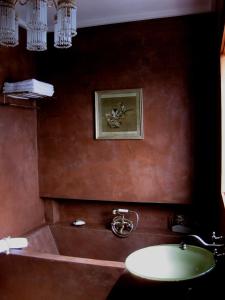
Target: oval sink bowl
(170, 263)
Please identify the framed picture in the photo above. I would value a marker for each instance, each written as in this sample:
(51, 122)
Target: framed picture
(119, 114)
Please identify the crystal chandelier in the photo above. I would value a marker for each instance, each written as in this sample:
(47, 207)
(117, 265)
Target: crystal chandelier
(36, 23)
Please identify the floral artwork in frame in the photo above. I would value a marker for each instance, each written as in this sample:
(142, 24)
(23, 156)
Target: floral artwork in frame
(119, 114)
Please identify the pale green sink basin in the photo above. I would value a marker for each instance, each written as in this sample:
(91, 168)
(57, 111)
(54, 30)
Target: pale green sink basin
(170, 263)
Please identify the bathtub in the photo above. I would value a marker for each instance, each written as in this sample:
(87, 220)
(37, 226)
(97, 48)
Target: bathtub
(63, 262)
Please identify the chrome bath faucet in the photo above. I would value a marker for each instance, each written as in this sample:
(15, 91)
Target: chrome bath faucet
(122, 226)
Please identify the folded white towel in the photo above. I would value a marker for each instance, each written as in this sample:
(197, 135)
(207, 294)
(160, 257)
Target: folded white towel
(33, 82)
(12, 243)
(24, 86)
(29, 90)
(29, 86)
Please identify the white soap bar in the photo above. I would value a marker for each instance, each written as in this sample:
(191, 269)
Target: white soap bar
(79, 222)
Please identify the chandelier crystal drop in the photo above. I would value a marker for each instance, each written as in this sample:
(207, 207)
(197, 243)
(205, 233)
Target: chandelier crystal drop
(36, 40)
(36, 15)
(37, 24)
(62, 39)
(8, 24)
(66, 17)
(36, 20)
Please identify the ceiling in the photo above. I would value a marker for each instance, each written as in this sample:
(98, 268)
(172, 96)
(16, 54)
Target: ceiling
(101, 12)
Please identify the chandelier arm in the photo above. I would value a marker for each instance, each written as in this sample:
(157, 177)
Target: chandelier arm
(21, 2)
(55, 3)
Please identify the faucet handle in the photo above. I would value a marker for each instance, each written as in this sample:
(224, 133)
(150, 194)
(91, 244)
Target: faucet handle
(215, 237)
(120, 211)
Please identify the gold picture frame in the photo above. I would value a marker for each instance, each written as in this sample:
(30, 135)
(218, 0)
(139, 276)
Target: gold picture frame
(119, 114)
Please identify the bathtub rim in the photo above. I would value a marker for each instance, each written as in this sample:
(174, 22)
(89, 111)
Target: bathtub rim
(68, 259)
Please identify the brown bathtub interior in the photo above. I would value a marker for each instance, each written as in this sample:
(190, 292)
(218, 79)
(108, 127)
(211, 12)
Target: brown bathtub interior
(92, 242)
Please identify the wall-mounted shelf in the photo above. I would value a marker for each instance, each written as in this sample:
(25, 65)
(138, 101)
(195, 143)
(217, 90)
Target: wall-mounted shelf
(22, 99)
(25, 95)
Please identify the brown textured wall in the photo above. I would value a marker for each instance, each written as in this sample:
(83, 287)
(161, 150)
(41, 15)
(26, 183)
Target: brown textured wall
(21, 208)
(169, 60)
